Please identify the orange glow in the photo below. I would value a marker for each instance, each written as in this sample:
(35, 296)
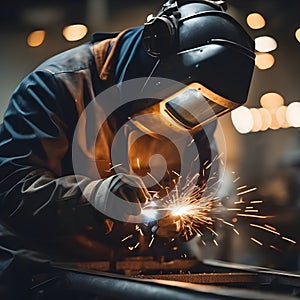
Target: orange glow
(271, 100)
(75, 32)
(281, 116)
(265, 117)
(257, 119)
(274, 122)
(256, 21)
(36, 38)
(264, 60)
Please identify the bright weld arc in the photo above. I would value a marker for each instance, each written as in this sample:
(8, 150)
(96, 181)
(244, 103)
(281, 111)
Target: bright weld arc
(201, 213)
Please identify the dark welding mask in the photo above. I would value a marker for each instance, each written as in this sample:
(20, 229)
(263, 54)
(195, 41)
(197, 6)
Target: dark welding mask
(202, 47)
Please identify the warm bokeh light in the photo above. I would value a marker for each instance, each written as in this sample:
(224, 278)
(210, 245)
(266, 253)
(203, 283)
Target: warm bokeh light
(75, 32)
(257, 119)
(264, 60)
(274, 122)
(265, 44)
(36, 38)
(242, 119)
(256, 21)
(271, 100)
(281, 116)
(297, 34)
(293, 114)
(266, 118)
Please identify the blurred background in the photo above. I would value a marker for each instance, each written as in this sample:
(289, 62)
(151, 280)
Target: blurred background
(261, 154)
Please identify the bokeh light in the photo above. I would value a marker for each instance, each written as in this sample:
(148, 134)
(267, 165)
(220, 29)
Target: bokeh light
(257, 119)
(265, 44)
(266, 118)
(281, 116)
(264, 61)
(297, 34)
(75, 32)
(255, 21)
(293, 114)
(36, 38)
(242, 119)
(271, 100)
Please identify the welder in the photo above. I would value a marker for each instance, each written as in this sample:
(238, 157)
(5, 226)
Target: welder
(95, 134)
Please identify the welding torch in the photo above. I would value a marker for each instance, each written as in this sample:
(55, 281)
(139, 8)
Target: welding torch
(163, 221)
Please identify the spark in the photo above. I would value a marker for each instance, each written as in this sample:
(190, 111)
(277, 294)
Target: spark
(247, 191)
(241, 187)
(155, 180)
(236, 231)
(201, 210)
(197, 206)
(241, 201)
(270, 227)
(251, 210)
(235, 180)
(131, 248)
(190, 143)
(256, 201)
(252, 216)
(152, 240)
(275, 248)
(225, 222)
(138, 162)
(139, 229)
(114, 167)
(127, 237)
(256, 241)
(265, 228)
(289, 240)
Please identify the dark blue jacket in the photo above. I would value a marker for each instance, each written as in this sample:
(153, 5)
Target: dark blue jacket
(44, 207)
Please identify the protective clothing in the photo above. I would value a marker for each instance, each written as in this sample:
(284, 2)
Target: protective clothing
(130, 192)
(202, 46)
(44, 205)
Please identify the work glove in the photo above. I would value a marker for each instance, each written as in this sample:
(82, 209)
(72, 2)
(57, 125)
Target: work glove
(120, 196)
(163, 223)
(169, 227)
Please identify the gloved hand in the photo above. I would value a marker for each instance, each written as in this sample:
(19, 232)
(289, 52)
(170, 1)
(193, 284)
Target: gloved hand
(120, 196)
(170, 226)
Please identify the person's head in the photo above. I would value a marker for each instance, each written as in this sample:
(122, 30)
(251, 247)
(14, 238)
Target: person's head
(198, 43)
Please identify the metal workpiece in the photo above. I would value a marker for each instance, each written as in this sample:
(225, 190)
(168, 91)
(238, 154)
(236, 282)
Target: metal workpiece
(148, 278)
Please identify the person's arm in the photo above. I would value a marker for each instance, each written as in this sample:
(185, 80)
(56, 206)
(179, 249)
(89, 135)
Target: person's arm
(36, 197)
(40, 196)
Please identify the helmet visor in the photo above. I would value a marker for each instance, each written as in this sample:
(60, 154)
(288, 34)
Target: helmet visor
(194, 106)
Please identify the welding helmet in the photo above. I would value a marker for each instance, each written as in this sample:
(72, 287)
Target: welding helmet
(201, 46)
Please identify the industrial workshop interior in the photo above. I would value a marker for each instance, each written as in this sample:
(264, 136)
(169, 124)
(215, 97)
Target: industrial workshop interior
(245, 231)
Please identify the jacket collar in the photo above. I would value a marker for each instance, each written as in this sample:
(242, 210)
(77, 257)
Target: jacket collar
(105, 52)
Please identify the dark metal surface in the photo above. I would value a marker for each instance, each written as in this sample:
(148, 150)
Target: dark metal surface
(145, 278)
(206, 278)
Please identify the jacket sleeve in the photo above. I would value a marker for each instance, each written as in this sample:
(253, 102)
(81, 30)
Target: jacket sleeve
(38, 196)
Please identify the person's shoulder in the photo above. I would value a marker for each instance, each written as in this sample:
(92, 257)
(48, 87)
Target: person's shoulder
(70, 60)
(100, 36)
